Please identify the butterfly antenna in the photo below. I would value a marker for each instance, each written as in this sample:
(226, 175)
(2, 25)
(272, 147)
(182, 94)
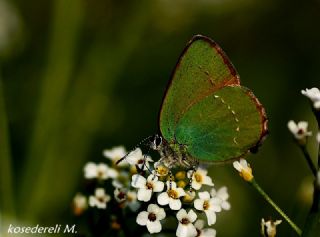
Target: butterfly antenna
(138, 145)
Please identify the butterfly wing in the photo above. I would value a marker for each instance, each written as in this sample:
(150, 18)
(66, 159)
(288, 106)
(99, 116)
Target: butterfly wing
(222, 126)
(202, 68)
(192, 114)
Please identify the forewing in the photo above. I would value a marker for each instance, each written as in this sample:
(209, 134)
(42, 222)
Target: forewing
(202, 69)
(222, 126)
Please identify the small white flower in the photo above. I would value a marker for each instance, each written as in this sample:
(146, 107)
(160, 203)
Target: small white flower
(126, 198)
(132, 202)
(100, 199)
(79, 203)
(209, 205)
(186, 227)
(146, 186)
(299, 130)
(120, 195)
(115, 154)
(151, 218)
(171, 196)
(314, 95)
(222, 195)
(204, 232)
(99, 171)
(269, 228)
(244, 169)
(199, 178)
(136, 158)
(161, 169)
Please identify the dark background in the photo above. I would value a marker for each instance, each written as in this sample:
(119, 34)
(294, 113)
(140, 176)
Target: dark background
(79, 76)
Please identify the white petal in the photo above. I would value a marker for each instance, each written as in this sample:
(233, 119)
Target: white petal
(211, 217)
(223, 193)
(158, 186)
(181, 214)
(186, 230)
(303, 125)
(154, 226)
(204, 195)
(292, 126)
(92, 201)
(192, 216)
(208, 232)
(199, 224)
(182, 230)
(180, 192)
(237, 166)
(316, 105)
(215, 204)
(161, 214)
(225, 205)
(192, 231)
(213, 192)
(243, 163)
(198, 204)
(175, 204)
(142, 218)
(163, 198)
(112, 173)
(138, 181)
(153, 208)
(90, 170)
(202, 172)
(208, 181)
(144, 194)
(134, 156)
(99, 192)
(196, 185)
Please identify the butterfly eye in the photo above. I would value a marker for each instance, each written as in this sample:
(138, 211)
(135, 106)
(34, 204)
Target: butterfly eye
(157, 141)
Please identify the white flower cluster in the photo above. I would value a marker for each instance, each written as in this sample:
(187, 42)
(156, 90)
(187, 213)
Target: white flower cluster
(160, 192)
(119, 176)
(300, 130)
(172, 192)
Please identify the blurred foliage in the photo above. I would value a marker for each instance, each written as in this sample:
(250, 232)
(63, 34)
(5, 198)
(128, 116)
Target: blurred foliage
(79, 76)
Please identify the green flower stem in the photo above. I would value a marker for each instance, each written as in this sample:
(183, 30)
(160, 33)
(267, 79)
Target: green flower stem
(275, 206)
(309, 160)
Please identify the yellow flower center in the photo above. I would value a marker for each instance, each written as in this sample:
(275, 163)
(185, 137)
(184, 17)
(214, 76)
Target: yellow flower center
(162, 170)
(149, 185)
(198, 177)
(246, 174)
(173, 194)
(206, 205)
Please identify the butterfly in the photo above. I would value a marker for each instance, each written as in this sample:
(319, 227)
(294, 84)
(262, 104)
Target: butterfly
(206, 116)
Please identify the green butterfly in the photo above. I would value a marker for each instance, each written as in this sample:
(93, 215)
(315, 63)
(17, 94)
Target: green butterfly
(206, 115)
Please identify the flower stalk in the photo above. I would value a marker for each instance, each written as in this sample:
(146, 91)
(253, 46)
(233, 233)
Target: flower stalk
(309, 160)
(275, 206)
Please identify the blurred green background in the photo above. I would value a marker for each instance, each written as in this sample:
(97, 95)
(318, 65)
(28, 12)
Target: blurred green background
(79, 76)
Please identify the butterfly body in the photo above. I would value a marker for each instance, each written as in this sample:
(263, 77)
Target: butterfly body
(174, 154)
